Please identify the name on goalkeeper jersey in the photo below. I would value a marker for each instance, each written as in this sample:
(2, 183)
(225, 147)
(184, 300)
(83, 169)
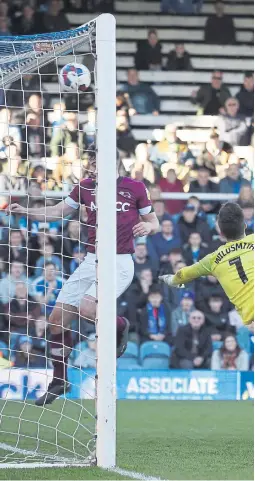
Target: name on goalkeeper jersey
(233, 248)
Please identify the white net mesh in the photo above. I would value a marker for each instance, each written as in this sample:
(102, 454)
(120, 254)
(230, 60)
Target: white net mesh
(46, 135)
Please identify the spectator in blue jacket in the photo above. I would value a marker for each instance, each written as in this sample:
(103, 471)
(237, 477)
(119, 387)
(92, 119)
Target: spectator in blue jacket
(48, 256)
(166, 240)
(232, 183)
(195, 250)
(144, 99)
(248, 212)
(47, 289)
(180, 316)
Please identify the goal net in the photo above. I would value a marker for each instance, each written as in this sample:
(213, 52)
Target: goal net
(46, 135)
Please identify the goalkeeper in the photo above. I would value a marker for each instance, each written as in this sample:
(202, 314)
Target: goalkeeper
(232, 264)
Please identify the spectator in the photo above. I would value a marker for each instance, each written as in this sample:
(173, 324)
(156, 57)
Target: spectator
(163, 242)
(137, 295)
(232, 126)
(145, 259)
(178, 58)
(47, 288)
(78, 258)
(155, 318)
(9, 282)
(26, 23)
(90, 126)
(46, 257)
(125, 139)
(33, 138)
(207, 287)
(148, 55)
(189, 222)
(7, 129)
(26, 357)
(144, 99)
(175, 295)
(172, 184)
(192, 344)
(180, 315)
(217, 318)
(86, 358)
(155, 192)
(195, 250)
(245, 96)
(21, 310)
(214, 155)
(4, 26)
(219, 28)
(230, 357)
(70, 133)
(20, 90)
(233, 182)
(160, 211)
(171, 149)
(245, 195)
(204, 185)
(211, 97)
(144, 164)
(53, 19)
(175, 256)
(74, 236)
(17, 248)
(248, 212)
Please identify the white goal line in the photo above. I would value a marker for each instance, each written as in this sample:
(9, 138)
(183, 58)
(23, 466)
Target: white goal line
(64, 463)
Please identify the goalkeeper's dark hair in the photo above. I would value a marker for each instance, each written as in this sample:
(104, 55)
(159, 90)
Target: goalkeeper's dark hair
(231, 221)
(92, 154)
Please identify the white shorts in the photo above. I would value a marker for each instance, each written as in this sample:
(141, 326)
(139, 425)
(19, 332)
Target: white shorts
(83, 281)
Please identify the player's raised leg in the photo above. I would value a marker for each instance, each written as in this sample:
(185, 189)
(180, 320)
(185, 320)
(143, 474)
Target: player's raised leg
(60, 350)
(79, 292)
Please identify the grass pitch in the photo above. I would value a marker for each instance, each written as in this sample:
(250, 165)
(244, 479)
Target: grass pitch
(166, 439)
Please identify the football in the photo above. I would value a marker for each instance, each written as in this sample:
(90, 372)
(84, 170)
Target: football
(74, 77)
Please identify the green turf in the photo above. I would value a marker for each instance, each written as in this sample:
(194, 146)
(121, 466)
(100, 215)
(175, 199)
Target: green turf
(170, 440)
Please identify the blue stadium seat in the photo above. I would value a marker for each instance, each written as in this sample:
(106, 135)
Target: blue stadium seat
(155, 355)
(216, 345)
(130, 358)
(243, 339)
(132, 351)
(128, 363)
(156, 363)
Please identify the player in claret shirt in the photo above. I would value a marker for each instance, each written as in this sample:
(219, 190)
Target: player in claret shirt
(135, 217)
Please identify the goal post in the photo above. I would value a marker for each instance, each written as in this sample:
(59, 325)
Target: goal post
(40, 435)
(106, 241)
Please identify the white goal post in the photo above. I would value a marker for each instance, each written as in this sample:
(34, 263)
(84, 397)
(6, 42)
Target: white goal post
(20, 55)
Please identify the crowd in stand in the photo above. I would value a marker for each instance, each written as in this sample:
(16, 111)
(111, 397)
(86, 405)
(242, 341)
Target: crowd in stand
(43, 147)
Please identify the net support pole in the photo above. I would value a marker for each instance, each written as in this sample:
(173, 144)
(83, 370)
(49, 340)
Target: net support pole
(106, 237)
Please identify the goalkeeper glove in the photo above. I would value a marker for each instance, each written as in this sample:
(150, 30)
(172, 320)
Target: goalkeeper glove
(168, 279)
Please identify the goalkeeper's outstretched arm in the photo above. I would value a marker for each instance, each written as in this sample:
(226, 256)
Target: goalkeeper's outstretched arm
(47, 213)
(188, 274)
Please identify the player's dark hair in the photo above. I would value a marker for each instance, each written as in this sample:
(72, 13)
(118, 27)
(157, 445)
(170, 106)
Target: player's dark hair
(231, 221)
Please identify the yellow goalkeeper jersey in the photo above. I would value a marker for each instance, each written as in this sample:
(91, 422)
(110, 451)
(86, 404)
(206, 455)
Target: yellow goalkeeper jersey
(233, 265)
